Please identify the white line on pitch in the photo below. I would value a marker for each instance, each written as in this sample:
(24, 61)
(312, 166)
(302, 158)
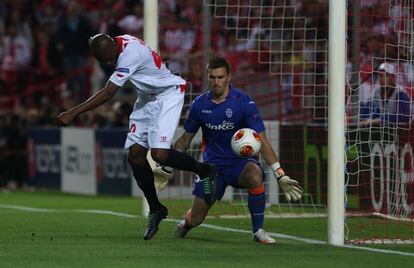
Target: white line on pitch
(208, 226)
(28, 208)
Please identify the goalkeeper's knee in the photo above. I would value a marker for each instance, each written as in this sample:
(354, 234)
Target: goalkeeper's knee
(257, 191)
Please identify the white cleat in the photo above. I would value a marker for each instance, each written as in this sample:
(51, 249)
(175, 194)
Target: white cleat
(263, 237)
(182, 229)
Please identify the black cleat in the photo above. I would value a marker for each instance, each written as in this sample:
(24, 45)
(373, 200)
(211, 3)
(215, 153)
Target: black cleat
(154, 220)
(209, 185)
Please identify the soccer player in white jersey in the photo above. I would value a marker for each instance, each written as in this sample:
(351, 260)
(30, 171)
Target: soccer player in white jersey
(220, 112)
(153, 120)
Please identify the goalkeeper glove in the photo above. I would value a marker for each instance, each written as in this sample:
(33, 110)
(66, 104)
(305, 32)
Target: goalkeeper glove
(290, 187)
(162, 175)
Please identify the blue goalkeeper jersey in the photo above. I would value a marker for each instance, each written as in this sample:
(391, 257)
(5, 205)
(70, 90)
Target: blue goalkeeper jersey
(219, 121)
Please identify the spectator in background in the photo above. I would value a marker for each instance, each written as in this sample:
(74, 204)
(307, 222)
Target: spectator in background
(236, 52)
(196, 74)
(172, 45)
(108, 23)
(390, 103)
(45, 56)
(133, 23)
(47, 15)
(16, 156)
(316, 16)
(167, 7)
(16, 60)
(21, 16)
(72, 42)
(382, 21)
(372, 46)
(189, 37)
(192, 11)
(367, 22)
(367, 87)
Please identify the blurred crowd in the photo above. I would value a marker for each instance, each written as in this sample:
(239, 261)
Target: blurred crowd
(44, 55)
(385, 37)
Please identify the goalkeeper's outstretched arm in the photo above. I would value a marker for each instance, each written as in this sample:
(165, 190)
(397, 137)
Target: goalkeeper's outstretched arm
(184, 141)
(290, 187)
(267, 151)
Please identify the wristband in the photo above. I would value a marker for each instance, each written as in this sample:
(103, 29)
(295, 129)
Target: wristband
(277, 170)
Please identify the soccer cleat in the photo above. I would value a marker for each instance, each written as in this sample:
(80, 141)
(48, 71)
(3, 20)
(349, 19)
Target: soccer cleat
(154, 220)
(182, 229)
(209, 185)
(263, 237)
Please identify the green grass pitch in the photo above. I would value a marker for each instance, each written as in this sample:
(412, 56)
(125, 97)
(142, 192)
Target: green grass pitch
(67, 235)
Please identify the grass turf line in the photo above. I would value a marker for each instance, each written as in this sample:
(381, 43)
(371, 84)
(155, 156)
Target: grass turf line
(73, 239)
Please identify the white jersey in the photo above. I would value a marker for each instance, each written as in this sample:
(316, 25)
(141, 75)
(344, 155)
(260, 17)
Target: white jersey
(142, 66)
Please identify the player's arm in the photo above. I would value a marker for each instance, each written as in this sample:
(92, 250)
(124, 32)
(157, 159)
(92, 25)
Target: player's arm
(184, 141)
(267, 151)
(289, 186)
(93, 102)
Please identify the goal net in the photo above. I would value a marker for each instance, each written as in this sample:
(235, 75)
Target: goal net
(278, 50)
(380, 185)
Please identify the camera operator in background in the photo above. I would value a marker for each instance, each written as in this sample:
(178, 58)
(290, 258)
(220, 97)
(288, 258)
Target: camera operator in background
(390, 103)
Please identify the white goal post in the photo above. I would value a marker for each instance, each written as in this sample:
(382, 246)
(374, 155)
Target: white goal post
(151, 38)
(336, 122)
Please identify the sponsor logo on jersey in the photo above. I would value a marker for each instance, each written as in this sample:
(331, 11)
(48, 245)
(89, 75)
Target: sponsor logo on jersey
(122, 70)
(225, 125)
(251, 102)
(229, 112)
(206, 111)
(163, 139)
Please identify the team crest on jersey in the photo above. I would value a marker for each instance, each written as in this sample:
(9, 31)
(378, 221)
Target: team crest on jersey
(122, 70)
(229, 112)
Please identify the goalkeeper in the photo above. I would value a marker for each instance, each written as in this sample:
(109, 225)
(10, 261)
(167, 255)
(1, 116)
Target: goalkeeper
(220, 112)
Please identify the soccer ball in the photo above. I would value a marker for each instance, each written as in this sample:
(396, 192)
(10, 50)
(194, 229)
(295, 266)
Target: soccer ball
(246, 142)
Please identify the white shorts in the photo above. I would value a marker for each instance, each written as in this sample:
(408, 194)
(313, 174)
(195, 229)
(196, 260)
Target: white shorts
(153, 121)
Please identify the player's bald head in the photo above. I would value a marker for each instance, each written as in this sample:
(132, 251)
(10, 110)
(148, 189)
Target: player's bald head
(104, 48)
